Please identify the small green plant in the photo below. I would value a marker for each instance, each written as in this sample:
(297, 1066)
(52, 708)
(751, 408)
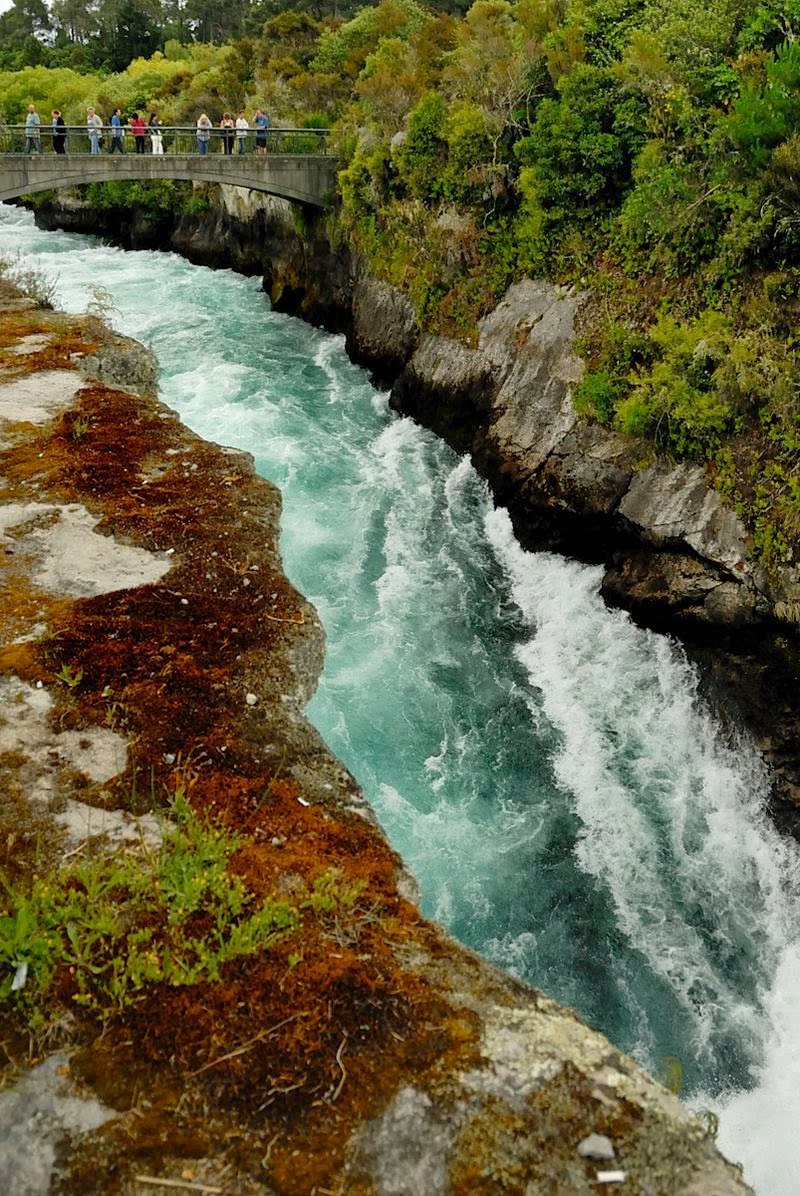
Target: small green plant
(336, 904)
(69, 676)
(670, 1073)
(709, 1121)
(97, 932)
(333, 894)
(80, 427)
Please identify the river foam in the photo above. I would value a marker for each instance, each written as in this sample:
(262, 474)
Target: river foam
(544, 766)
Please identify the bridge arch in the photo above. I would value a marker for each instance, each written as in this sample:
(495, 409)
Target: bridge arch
(300, 178)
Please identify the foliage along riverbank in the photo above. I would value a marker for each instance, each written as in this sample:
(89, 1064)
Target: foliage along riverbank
(641, 151)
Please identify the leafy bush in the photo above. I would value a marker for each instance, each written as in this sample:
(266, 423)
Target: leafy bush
(768, 114)
(421, 157)
(581, 145)
(344, 50)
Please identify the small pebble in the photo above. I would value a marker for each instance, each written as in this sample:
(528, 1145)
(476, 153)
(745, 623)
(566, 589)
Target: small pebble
(611, 1177)
(184, 601)
(596, 1146)
(251, 699)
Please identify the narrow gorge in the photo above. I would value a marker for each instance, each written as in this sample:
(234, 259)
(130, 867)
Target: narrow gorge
(509, 731)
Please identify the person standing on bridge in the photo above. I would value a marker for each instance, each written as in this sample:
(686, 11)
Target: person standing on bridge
(59, 132)
(94, 127)
(33, 131)
(117, 145)
(156, 141)
(241, 132)
(139, 129)
(203, 132)
(228, 133)
(261, 124)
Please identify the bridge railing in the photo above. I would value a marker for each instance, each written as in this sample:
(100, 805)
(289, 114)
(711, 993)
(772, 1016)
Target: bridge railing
(172, 139)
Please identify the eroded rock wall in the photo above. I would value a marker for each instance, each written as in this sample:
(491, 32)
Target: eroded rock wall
(148, 630)
(674, 555)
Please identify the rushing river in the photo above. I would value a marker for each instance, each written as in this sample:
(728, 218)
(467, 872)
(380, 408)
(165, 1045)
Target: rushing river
(543, 765)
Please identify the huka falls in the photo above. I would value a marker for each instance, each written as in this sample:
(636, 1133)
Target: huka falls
(400, 514)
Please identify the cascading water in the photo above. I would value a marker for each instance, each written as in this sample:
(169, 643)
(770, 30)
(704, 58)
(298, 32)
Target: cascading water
(543, 765)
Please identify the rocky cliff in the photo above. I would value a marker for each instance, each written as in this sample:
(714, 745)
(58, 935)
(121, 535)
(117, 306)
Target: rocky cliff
(674, 555)
(155, 664)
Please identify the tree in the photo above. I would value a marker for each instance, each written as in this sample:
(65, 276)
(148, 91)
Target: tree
(24, 20)
(134, 36)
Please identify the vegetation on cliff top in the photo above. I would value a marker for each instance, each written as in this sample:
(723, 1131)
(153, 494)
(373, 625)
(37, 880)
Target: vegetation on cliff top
(644, 150)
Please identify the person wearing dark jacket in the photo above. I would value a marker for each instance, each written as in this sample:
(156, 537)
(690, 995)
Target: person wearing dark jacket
(59, 132)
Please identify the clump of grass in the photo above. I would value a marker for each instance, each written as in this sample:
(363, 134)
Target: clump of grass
(95, 934)
(32, 282)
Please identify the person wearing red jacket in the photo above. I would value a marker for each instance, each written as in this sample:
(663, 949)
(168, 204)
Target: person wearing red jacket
(138, 128)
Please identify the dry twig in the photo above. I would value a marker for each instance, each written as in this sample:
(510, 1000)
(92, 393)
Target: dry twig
(184, 1184)
(246, 1046)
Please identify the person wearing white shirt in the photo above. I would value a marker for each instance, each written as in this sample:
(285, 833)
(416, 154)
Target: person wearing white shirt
(241, 133)
(94, 126)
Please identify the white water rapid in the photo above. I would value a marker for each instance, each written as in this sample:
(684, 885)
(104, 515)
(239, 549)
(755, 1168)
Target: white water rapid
(544, 766)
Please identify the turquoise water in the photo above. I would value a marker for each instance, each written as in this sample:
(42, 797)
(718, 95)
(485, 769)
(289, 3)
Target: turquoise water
(544, 766)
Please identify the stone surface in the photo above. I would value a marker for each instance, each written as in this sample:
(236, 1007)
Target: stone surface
(66, 555)
(37, 1117)
(422, 1068)
(34, 399)
(596, 1146)
(385, 331)
(674, 504)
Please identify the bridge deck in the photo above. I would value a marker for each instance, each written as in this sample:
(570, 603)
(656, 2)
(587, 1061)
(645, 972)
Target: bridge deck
(302, 178)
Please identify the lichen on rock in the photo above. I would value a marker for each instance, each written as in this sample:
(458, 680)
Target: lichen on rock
(361, 1051)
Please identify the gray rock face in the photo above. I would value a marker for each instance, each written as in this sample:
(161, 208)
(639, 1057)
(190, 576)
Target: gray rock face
(36, 1116)
(122, 363)
(674, 505)
(384, 328)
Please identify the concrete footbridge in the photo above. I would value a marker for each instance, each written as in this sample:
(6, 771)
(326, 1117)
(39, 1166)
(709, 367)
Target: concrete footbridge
(292, 164)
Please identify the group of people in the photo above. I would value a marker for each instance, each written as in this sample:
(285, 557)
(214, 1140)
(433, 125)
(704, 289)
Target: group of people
(232, 131)
(137, 125)
(33, 131)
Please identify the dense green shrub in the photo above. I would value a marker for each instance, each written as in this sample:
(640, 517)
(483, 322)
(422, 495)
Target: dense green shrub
(421, 157)
(581, 144)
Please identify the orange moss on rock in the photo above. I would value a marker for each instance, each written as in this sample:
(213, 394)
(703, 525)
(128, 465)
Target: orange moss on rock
(307, 1039)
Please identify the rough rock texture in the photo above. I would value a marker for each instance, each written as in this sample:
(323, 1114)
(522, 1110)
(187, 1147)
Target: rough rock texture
(673, 555)
(380, 1058)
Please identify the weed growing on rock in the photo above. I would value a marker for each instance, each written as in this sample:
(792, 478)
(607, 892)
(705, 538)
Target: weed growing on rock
(32, 282)
(96, 933)
(69, 676)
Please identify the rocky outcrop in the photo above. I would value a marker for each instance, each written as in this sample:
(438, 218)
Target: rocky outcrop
(674, 555)
(569, 484)
(149, 632)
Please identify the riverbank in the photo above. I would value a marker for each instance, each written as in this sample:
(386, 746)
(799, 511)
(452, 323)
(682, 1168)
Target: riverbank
(674, 556)
(154, 648)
